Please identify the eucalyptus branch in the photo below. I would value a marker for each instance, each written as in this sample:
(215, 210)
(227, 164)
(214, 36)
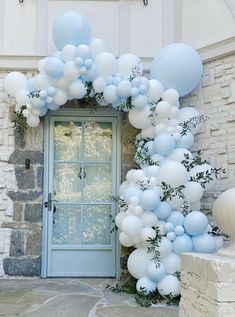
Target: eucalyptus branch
(204, 178)
(154, 243)
(216, 231)
(34, 94)
(192, 123)
(120, 202)
(169, 192)
(125, 105)
(189, 163)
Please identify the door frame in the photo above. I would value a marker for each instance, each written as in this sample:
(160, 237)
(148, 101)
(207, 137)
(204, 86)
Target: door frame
(70, 112)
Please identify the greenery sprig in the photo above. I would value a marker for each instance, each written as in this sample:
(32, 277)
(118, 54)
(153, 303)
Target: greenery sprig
(153, 244)
(189, 163)
(206, 177)
(192, 123)
(169, 191)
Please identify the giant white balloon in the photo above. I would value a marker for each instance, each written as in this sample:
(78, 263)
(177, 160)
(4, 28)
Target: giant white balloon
(138, 262)
(173, 173)
(14, 82)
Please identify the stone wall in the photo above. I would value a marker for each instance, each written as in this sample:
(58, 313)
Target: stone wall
(207, 286)
(215, 97)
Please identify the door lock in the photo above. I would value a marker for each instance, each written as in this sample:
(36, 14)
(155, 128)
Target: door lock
(80, 174)
(49, 202)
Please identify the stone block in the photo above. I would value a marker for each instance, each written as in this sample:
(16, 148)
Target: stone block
(26, 266)
(17, 212)
(33, 244)
(24, 196)
(33, 212)
(19, 156)
(17, 243)
(39, 176)
(25, 177)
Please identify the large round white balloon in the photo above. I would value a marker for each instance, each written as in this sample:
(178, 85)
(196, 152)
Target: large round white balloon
(169, 285)
(106, 64)
(145, 286)
(14, 82)
(138, 262)
(173, 173)
(140, 119)
(129, 64)
(132, 225)
(171, 263)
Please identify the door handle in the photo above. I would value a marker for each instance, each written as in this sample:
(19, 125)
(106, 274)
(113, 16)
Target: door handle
(48, 203)
(80, 175)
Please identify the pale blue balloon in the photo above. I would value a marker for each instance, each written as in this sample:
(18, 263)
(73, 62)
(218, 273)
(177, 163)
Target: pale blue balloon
(169, 227)
(130, 192)
(171, 236)
(164, 144)
(177, 66)
(179, 230)
(53, 67)
(163, 211)
(176, 218)
(182, 244)
(204, 243)
(149, 200)
(195, 223)
(71, 28)
(186, 141)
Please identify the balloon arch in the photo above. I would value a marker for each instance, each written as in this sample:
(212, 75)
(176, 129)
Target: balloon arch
(160, 214)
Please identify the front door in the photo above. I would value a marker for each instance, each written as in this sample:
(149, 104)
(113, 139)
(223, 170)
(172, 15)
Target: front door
(81, 179)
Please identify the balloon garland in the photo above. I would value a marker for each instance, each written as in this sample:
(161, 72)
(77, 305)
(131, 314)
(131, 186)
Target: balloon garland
(160, 202)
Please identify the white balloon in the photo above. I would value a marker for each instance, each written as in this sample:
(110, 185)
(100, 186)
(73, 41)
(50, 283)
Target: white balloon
(179, 155)
(148, 233)
(124, 88)
(99, 84)
(173, 173)
(42, 82)
(139, 102)
(122, 188)
(140, 119)
(171, 263)
(119, 218)
(125, 240)
(110, 94)
(60, 97)
(138, 261)
(155, 91)
(148, 132)
(129, 63)
(149, 219)
(163, 109)
(33, 121)
(77, 89)
(193, 192)
(169, 285)
(14, 82)
(164, 248)
(68, 52)
(187, 113)
(156, 271)
(132, 225)
(22, 97)
(145, 286)
(71, 71)
(26, 113)
(106, 64)
(171, 96)
(97, 46)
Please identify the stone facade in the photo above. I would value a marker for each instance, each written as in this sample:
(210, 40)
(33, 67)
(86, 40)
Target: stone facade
(21, 188)
(207, 286)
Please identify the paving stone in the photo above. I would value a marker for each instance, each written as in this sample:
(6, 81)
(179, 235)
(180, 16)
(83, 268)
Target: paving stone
(65, 306)
(121, 311)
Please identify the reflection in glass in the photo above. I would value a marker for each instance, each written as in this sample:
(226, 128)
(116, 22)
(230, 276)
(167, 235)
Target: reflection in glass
(97, 182)
(68, 141)
(96, 223)
(97, 141)
(67, 225)
(67, 183)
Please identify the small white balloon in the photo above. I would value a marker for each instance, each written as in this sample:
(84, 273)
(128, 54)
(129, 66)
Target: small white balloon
(169, 285)
(33, 121)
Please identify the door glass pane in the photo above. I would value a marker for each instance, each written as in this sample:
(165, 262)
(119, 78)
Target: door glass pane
(67, 225)
(97, 141)
(68, 141)
(97, 182)
(68, 182)
(96, 222)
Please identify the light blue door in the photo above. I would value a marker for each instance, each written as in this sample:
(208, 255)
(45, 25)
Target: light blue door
(82, 178)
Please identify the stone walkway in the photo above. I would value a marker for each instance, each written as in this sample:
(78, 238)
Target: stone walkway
(67, 297)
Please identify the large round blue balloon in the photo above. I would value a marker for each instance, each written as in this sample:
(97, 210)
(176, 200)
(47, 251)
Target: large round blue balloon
(71, 28)
(204, 243)
(182, 244)
(177, 66)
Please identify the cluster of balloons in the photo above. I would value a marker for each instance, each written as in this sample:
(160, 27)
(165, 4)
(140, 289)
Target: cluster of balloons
(83, 67)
